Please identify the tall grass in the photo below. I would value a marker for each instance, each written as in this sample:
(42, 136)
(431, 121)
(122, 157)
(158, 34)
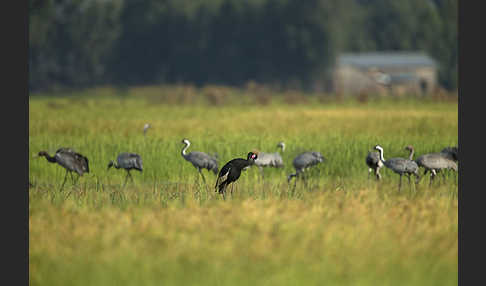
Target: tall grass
(169, 228)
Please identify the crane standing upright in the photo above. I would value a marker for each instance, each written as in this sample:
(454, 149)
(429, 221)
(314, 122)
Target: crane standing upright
(374, 164)
(401, 166)
(199, 160)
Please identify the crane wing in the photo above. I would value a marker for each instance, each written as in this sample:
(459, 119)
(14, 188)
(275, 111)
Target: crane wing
(223, 175)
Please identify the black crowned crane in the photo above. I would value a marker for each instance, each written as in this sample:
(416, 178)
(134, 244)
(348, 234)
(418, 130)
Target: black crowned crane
(69, 160)
(231, 171)
(374, 164)
(401, 166)
(270, 159)
(128, 162)
(435, 162)
(303, 162)
(200, 160)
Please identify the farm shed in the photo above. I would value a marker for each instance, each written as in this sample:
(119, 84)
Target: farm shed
(385, 73)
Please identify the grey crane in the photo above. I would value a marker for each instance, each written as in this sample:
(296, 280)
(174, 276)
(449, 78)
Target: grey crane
(401, 166)
(69, 160)
(127, 161)
(303, 162)
(200, 160)
(270, 159)
(435, 162)
(146, 128)
(374, 164)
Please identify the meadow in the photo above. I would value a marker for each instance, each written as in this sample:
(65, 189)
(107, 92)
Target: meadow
(168, 228)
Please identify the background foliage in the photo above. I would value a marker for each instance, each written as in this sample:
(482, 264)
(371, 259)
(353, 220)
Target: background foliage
(82, 43)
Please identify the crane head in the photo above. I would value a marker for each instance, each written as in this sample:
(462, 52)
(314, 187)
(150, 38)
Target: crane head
(146, 127)
(42, 153)
(185, 141)
(378, 147)
(110, 165)
(409, 148)
(281, 144)
(252, 156)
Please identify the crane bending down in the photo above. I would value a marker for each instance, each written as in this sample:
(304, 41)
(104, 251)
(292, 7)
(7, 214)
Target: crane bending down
(401, 166)
(200, 160)
(270, 159)
(69, 160)
(303, 162)
(127, 161)
(435, 162)
(374, 164)
(231, 171)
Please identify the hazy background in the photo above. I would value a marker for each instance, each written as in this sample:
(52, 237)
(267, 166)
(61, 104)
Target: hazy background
(279, 43)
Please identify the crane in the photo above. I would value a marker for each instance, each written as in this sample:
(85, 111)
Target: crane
(435, 162)
(231, 171)
(401, 166)
(303, 162)
(270, 159)
(127, 161)
(199, 160)
(69, 160)
(374, 164)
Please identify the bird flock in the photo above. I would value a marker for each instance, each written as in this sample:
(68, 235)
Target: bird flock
(433, 163)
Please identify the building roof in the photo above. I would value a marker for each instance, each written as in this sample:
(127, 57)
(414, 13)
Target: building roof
(386, 59)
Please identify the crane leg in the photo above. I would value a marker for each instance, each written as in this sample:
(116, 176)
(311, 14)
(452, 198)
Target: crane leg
(202, 175)
(261, 171)
(204, 180)
(417, 178)
(400, 183)
(444, 176)
(72, 178)
(126, 179)
(432, 176)
(65, 177)
(377, 174)
(369, 173)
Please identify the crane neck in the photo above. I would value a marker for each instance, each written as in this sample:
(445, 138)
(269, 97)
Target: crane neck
(183, 152)
(381, 155)
(49, 158)
(410, 157)
(113, 164)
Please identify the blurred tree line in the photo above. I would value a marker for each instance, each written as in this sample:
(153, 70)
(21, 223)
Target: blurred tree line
(81, 43)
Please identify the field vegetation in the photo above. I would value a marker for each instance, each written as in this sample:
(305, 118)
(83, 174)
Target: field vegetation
(168, 228)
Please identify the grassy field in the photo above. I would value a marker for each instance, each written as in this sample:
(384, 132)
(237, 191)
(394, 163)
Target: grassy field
(168, 228)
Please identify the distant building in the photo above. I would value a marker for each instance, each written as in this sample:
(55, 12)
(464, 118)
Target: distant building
(385, 73)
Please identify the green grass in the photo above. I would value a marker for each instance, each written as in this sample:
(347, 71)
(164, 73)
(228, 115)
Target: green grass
(166, 228)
